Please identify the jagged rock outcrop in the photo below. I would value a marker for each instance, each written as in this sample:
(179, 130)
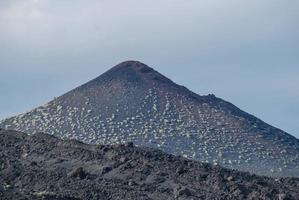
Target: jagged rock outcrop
(44, 167)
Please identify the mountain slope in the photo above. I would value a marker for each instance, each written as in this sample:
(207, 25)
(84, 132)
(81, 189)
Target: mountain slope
(44, 167)
(133, 102)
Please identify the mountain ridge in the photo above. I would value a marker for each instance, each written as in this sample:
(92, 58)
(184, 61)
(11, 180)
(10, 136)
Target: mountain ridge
(133, 102)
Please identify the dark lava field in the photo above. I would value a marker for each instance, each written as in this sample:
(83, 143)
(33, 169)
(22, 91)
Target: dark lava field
(42, 166)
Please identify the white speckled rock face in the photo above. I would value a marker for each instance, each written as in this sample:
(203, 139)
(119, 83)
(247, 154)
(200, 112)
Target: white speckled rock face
(132, 102)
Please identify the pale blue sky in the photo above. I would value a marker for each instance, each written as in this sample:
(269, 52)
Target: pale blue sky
(246, 52)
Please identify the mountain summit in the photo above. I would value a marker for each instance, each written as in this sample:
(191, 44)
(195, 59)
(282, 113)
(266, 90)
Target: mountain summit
(133, 102)
(133, 72)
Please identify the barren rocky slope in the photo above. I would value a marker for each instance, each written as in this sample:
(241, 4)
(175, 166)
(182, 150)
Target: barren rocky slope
(44, 167)
(133, 102)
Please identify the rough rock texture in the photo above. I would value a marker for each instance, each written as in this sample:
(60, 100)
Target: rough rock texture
(44, 167)
(133, 102)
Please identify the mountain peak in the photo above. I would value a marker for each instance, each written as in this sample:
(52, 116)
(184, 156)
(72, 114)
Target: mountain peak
(135, 71)
(133, 65)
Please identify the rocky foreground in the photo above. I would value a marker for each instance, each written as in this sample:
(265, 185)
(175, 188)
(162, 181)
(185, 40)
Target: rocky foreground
(44, 167)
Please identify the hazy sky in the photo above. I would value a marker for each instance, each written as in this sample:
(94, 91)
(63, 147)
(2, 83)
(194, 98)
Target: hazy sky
(244, 51)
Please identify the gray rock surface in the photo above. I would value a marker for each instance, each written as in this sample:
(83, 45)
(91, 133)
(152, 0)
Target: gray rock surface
(44, 167)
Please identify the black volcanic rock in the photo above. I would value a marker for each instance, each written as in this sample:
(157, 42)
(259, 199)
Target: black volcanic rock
(134, 103)
(70, 170)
